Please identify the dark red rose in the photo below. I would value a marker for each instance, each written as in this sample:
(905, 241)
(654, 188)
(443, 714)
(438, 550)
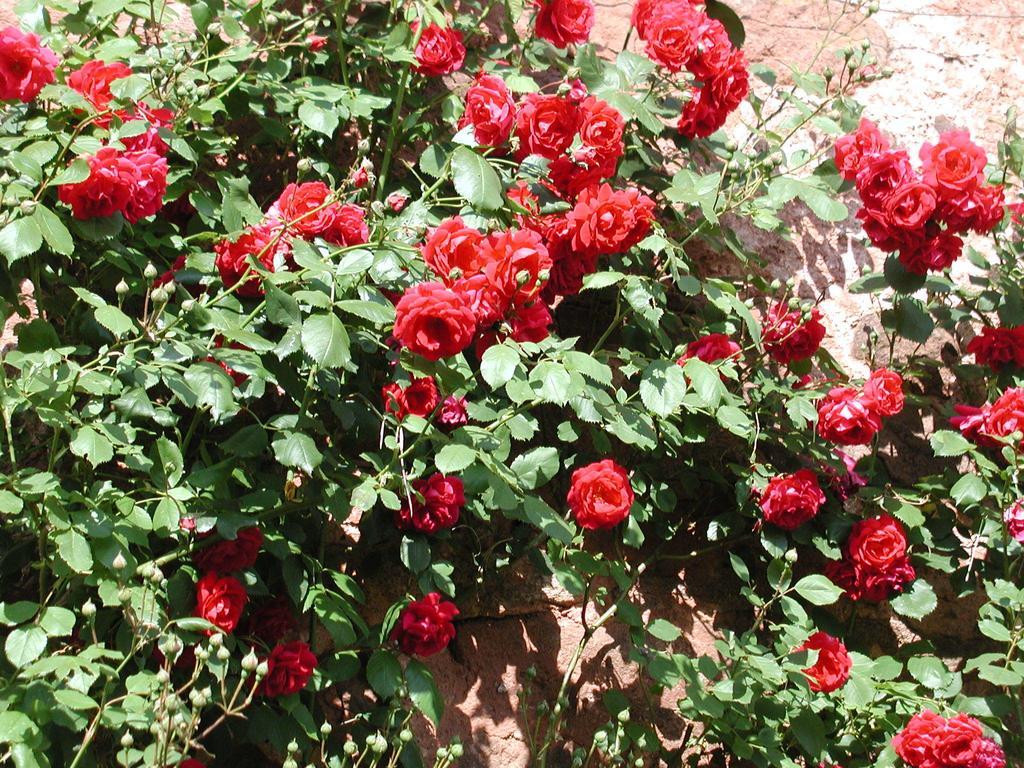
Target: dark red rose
(93, 80)
(565, 22)
(711, 104)
(999, 348)
(434, 322)
(545, 125)
(953, 164)
(846, 418)
(316, 42)
(452, 248)
(418, 398)
(880, 175)
(425, 626)
(852, 149)
(605, 220)
(25, 65)
(832, 668)
(490, 109)
(349, 227)
(273, 621)
(875, 563)
(289, 668)
(883, 392)
(516, 262)
(146, 195)
(711, 348)
(231, 554)
(531, 323)
(601, 129)
(932, 254)
(453, 412)
(600, 495)
(439, 50)
(264, 245)
(789, 501)
(191, 763)
(714, 49)
(436, 504)
(970, 421)
(220, 600)
(150, 140)
(787, 337)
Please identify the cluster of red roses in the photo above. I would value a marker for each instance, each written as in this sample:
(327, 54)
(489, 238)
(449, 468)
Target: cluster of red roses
(920, 214)
(875, 562)
(998, 348)
(990, 424)
(306, 211)
(930, 740)
(221, 599)
(420, 397)
(26, 66)
(677, 35)
(850, 416)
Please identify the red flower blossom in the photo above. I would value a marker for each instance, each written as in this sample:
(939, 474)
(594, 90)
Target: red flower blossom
(846, 417)
(220, 600)
(490, 109)
(439, 50)
(425, 626)
(453, 412)
(306, 209)
(419, 398)
(832, 668)
(452, 248)
(273, 621)
(789, 501)
(545, 125)
(787, 337)
(565, 22)
(600, 495)
(434, 322)
(883, 392)
(93, 80)
(289, 669)
(436, 504)
(605, 220)
(853, 148)
(231, 554)
(711, 348)
(875, 564)
(264, 244)
(25, 65)
(953, 164)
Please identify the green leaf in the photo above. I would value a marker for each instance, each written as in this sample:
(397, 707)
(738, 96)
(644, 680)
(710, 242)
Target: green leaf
(57, 621)
(498, 364)
(817, 589)
(325, 341)
(317, 118)
(454, 457)
(716, 9)
(968, 490)
(73, 549)
(664, 630)
(822, 202)
(21, 238)
(810, 732)
(945, 442)
(535, 468)
(544, 517)
(918, 602)
(212, 387)
(91, 445)
(476, 180)
(551, 382)
(296, 449)
(114, 320)
(422, 691)
(384, 673)
(54, 232)
(24, 645)
(929, 671)
(414, 552)
(705, 381)
(662, 388)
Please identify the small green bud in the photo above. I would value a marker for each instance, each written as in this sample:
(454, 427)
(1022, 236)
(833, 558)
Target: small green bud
(119, 563)
(89, 609)
(223, 653)
(293, 747)
(188, 305)
(350, 748)
(127, 740)
(217, 640)
(121, 289)
(304, 164)
(325, 729)
(262, 669)
(149, 272)
(405, 736)
(623, 716)
(776, 284)
(163, 676)
(289, 763)
(456, 750)
(124, 596)
(28, 207)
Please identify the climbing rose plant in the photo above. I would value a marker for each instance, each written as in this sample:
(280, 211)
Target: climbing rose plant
(332, 321)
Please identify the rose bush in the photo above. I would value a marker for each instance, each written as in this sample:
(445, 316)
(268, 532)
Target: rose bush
(333, 321)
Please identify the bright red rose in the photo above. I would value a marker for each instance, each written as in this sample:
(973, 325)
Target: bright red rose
(531, 323)
(350, 227)
(231, 554)
(601, 128)
(264, 244)
(545, 125)
(852, 149)
(25, 65)
(914, 743)
(434, 322)
(670, 35)
(789, 501)
(787, 337)
(569, 178)
(1006, 415)
(880, 175)
(419, 398)
(436, 504)
(220, 600)
(989, 205)
(453, 247)
(600, 495)
(273, 621)
(490, 109)
(846, 418)
(93, 80)
(970, 421)
(488, 295)
(425, 626)
(570, 266)
(953, 164)
(998, 348)
(883, 392)
(714, 49)
(605, 220)
(1013, 516)
(150, 140)
(910, 205)
(439, 50)
(711, 348)
(565, 22)
(147, 192)
(932, 741)
(933, 254)
(832, 668)
(875, 563)
(108, 188)
(306, 209)
(644, 9)
(516, 262)
(453, 412)
(289, 668)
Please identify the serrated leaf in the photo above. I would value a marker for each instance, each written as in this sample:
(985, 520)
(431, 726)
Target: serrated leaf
(384, 673)
(91, 445)
(817, 589)
(24, 645)
(114, 320)
(536, 467)
(20, 238)
(663, 387)
(454, 457)
(296, 449)
(945, 442)
(422, 691)
(53, 230)
(73, 549)
(498, 364)
(916, 603)
(325, 341)
(476, 180)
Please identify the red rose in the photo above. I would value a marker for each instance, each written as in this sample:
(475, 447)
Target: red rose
(439, 50)
(853, 148)
(25, 65)
(605, 220)
(289, 668)
(107, 189)
(998, 348)
(516, 263)
(953, 164)
(349, 227)
(787, 337)
(436, 504)
(150, 140)
(832, 668)
(93, 80)
(714, 49)
(875, 564)
(396, 201)
(883, 392)
(263, 244)
(452, 247)
(453, 412)
(932, 741)
(488, 295)
(933, 254)
(600, 495)
(231, 554)
(1013, 517)
(490, 109)
(569, 266)
(565, 22)
(789, 501)
(846, 418)
(970, 421)
(601, 128)
(670, 35)
(711, 348)
(434, 322)
(273, 621)
(545, 125)
(220, 600)
(146, 194)
(914, 743)
(1006, 415)
(880, 175)
(531, 323)
(306, 209)
(910, 205)
(643, 10)
(569, 178)
(425, 626)
(419, 398)
(982, 212)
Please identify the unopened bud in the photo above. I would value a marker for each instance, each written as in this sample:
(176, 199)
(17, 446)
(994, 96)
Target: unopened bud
(119, 562)
(149, 272)
(456, 750)
(261, 669)
(163, 676)
(363, 146)
(127, 740)
(159, 295)
(350, 748)
(405, 736)
(223, 653)
(28, 207)
(293, 747)
(623, 716)
(325, 729)
(124, 596)
(304, 164)
(188, 305)
(121, 289)
(217, 640)
(89, 609)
